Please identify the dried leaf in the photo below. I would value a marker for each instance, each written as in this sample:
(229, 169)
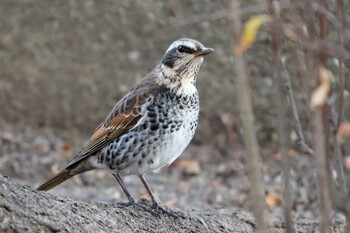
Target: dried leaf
(319, 96)
(291, 153)
(273, 199)
(250, 31)
(347, 162)
(190, 167)
(343, 130)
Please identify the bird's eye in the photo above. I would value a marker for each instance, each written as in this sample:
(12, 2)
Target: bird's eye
(185, 49)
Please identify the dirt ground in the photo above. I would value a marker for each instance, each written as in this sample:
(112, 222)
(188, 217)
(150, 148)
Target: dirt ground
(203, 177)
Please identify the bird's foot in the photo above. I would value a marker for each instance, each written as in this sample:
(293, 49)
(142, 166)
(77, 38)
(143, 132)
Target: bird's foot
(155, 209)
(172, 213)
(132, 203)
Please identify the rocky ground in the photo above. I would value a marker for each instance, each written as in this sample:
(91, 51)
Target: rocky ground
(201, 178)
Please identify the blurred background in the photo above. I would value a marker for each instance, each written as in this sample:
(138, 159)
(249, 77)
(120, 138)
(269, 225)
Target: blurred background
(64, 64)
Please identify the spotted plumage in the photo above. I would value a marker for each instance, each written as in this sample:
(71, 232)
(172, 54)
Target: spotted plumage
(150, 126)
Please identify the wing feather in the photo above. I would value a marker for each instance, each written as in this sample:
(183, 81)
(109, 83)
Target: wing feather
(126, 114)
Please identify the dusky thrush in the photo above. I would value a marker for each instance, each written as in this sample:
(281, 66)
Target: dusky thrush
(150, 126)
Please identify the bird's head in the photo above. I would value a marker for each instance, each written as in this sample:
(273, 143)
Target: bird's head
(183, 58)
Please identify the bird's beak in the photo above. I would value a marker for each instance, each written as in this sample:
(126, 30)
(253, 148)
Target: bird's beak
(203, 52)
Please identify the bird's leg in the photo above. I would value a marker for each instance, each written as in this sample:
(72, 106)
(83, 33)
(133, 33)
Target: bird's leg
(130, 198)
(155, 204)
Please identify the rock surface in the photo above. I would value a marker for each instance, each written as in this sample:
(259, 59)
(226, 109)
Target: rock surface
(25, 210)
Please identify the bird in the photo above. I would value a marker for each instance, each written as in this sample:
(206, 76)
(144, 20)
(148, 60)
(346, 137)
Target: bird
(149, 127)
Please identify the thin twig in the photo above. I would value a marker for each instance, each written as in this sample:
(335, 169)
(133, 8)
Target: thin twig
(317, 125)
(282, 116)
(247, 118)
(340, 196)
(228, 120)
(337, 111)
(296, 119)
(223, 13)
(326, 13)
(182, 21)
(339, 193)
(323, 22)
(340, 13)
(319, 142)
(318, 45)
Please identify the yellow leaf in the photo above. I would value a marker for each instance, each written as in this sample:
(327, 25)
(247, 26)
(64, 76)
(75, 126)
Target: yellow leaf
(250, 31)
(273, 199)
(319, 96)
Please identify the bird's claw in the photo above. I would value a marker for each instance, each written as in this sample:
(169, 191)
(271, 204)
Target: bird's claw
(172, 213)
(155, 209)
(132, 203)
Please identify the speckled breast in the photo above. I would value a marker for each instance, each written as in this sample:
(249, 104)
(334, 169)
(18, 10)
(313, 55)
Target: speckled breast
(169, 125)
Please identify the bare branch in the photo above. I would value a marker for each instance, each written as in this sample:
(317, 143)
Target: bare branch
(319, 142)
(282, 116)
(318, 45)
(223, 13)
(340, 13)
(296, 119)
(317, 124)
(339, 195)
(228, 119)
(247, 118)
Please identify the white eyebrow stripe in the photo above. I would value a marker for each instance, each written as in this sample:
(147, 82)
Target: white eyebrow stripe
(186, 43)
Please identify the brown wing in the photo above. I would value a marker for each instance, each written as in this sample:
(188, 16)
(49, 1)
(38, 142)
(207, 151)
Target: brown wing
(125, 115)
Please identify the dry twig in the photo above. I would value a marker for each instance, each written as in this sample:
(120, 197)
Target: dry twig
(247, 118)
(296, 119)
(317, 127)
(282, 116)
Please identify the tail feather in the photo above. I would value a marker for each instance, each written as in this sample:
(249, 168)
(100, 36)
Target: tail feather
(71, 170)
(58, 179)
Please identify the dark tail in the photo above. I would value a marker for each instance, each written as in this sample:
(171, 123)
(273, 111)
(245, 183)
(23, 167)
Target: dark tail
(58, 179)
(70, 171)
